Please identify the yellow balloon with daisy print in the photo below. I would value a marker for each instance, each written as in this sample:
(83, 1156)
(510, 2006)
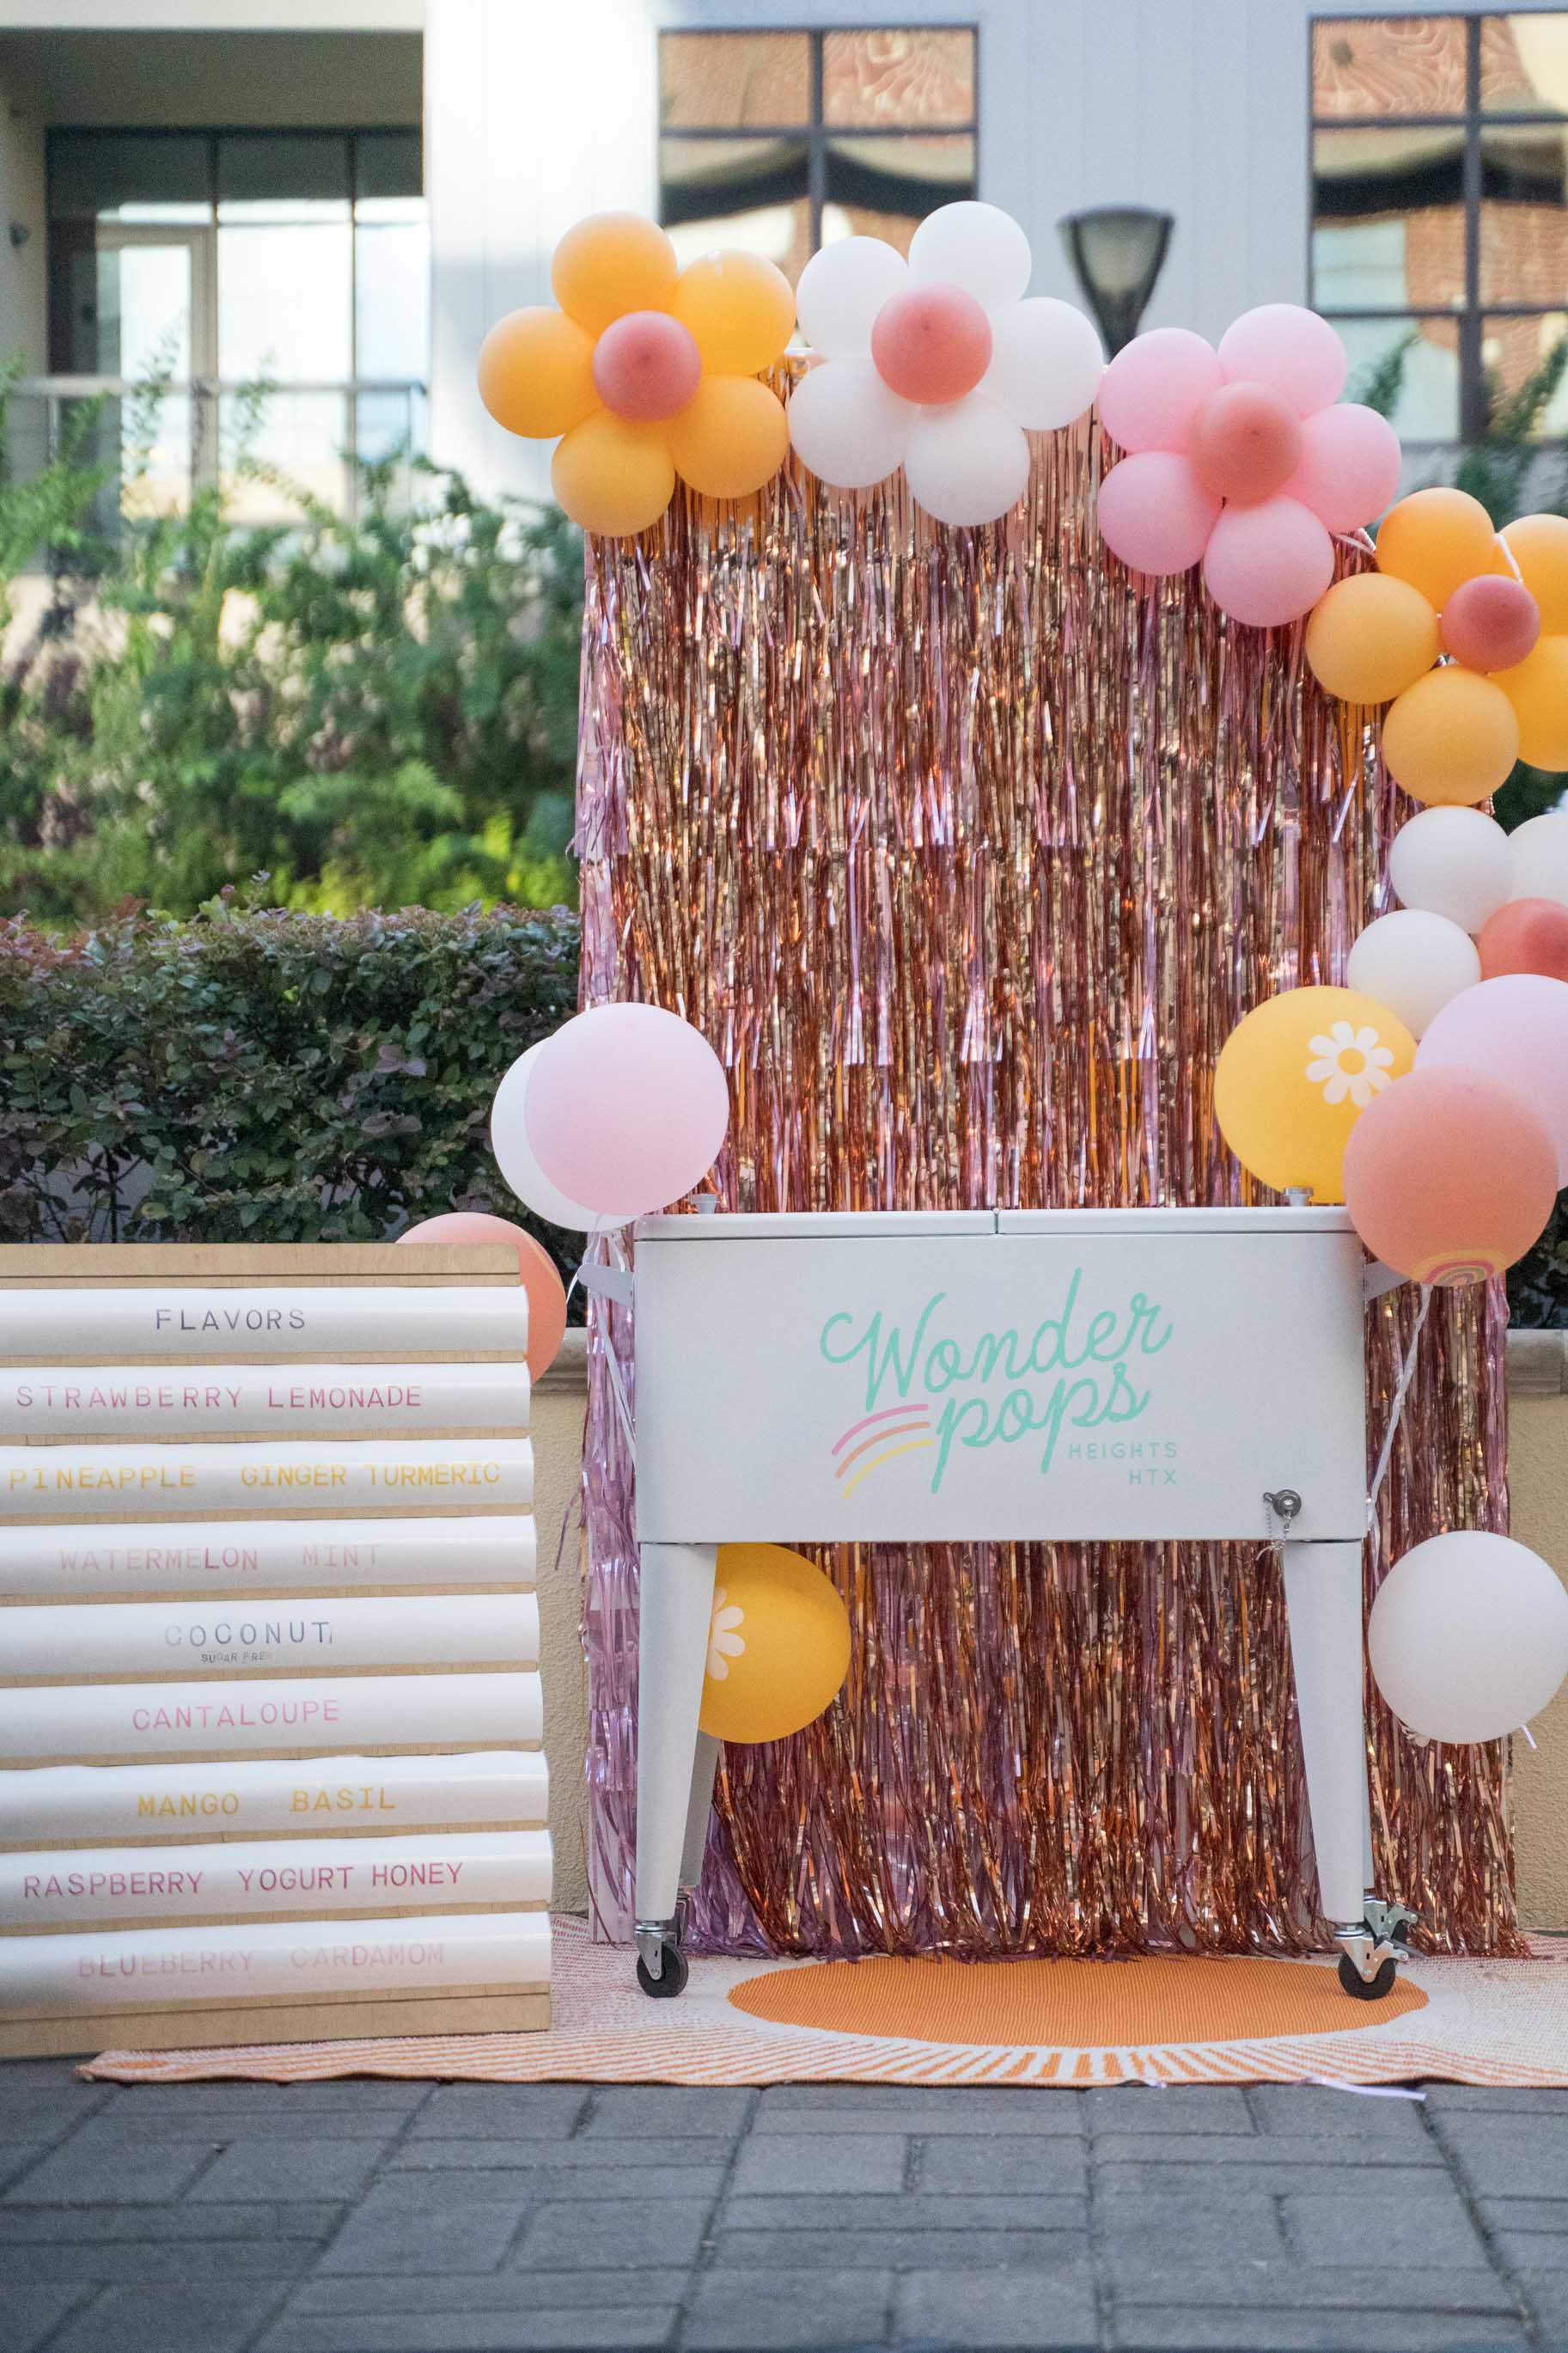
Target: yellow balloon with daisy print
(778, 1644)
(1295, 1076)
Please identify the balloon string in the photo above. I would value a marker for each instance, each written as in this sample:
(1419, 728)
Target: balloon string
(1397, 1406)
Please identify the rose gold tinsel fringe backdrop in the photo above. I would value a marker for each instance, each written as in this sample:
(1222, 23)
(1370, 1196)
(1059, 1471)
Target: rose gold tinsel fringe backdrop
(967, 859)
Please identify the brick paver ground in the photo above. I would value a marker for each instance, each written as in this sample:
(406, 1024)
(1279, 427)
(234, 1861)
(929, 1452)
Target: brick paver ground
(420, 2218)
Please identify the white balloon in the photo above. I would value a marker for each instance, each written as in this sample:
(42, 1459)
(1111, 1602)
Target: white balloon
(1469, 1637)
(1539, 847)
(514, 1157)
(841, 290)
(1045, 362)
(1454, 862)
(1413, 963)
(846, 425)
(967, 462)
(977, 246)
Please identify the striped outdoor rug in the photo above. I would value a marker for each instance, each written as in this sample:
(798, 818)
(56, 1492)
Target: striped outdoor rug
(1160, 2020)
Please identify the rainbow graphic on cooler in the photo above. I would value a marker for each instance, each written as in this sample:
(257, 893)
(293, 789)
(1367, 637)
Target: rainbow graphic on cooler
(879, 1438)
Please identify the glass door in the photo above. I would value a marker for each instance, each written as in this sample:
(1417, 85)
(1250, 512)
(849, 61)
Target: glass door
(154, 330)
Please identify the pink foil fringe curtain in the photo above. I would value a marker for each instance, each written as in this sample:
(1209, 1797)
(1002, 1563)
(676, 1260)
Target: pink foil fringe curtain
(967, 856)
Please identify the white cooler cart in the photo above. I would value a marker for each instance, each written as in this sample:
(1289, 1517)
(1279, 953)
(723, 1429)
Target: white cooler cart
(1119, 1375)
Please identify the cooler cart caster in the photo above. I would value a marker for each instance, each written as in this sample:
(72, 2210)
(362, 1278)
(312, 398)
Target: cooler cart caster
(662, 1966)
(1362, 1989)
(1374, 1947)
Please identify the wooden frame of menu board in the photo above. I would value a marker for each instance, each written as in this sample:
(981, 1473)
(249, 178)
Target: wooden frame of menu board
(147, 2023)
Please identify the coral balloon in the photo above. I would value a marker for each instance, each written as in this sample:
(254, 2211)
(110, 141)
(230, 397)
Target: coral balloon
(1046, 363)
(1539, 853)
(611, 263)
(967, 465)
(1490, 623)
(1454, 862)
(778, 1644)
(1269, 563)
(730, 438)
(1291, 350)
(1468, 1638)
(1293, 1077)
(738, 309)
(1245, 442)
(1370, 638)
(1538, 545)
(627, 1103)
(1513, 1029)
(974, 245)
(536, 372)
(1435, 539)
(646, 367)
(1538, 690)
(932, 343)
(543, 1286)
(1153, 389)
(1413, 962)
(1449, 1177)
(1527, 935)
(1452, 737)
(841, 290)
(613, 477)
(846, 426)
(1153, 512)
(1349, 468)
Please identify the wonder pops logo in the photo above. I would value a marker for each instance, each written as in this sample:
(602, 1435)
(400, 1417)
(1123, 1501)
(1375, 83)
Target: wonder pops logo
(927, 1388)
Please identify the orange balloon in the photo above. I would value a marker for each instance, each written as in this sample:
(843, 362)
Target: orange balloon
(730, 438)
(1538, 688)
(536, 373)
(1434, 539)
(613, 477)
(1449, 1177)
(1539, 544)
(1369, 638)
(545, 1291)
(738, 309)
(611, 263)
(1450, 737)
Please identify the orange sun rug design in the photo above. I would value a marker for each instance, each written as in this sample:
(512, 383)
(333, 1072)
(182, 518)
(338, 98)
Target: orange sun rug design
(1161, 2020)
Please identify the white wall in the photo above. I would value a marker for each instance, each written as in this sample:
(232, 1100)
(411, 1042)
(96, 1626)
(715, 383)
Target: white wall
(24, 268)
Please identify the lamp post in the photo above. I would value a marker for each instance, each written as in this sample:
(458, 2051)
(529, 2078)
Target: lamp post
(1117, 252)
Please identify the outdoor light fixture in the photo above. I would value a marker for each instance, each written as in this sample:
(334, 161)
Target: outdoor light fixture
(1118, 252)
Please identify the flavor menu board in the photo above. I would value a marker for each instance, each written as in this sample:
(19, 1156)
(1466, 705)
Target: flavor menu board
(271, 1717)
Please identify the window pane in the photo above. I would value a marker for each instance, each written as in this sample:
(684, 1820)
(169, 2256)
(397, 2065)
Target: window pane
(1524, 214)
(144, 311)
(719, 181)
(388, 164)
(1425, 406)
(297, 438)
(885, 187)
(128, 175)
(1388, 65)
(1524, 64)
(1388, 218)
(1513, 353)
(283, 179)
(392, 299)
(893, 78)
(284, 303)
(724, 82)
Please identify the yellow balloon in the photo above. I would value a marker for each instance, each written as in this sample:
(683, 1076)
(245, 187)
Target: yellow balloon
(1370, 637)
(1295, 1076)
(739, 308)
(612, 477)
(1434, 539)
(1539, 544)
(778, 1644)
(611, 263)
(730, 438)
(536, 372)
(1538, 688)
(1452, 737)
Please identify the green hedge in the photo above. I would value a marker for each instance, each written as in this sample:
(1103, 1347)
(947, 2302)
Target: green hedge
(266, 1076)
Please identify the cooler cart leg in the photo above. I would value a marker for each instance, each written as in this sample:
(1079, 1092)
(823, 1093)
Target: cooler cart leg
(677, 1609)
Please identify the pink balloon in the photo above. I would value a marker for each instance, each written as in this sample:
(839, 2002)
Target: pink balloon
(1244, 442)
(1154, 514)
(1290, 349)
(647, 366)
(1490, 623)
(1450, 1176)
(932, 344)
(626, 1104)
(1269, 563)
(1349, 469)
(1155, 386)
(1514, 1029)
(541, 1285)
